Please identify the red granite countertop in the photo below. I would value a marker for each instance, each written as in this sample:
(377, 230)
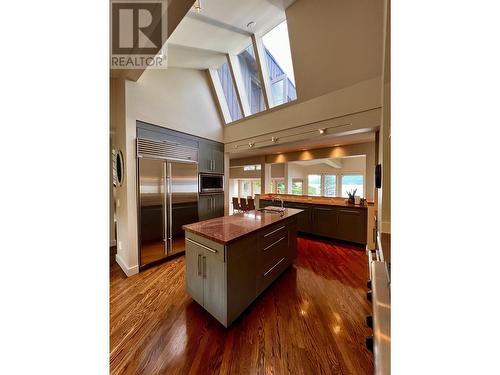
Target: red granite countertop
(227, 229)
(311, 199)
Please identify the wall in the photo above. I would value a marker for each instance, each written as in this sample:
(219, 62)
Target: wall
(334, 44)
(178, 99)
(384, 194)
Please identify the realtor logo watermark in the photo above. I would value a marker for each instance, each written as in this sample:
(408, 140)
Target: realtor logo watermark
(138, 32)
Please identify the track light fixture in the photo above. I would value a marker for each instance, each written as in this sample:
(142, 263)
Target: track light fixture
(322, 131)
(197, 5)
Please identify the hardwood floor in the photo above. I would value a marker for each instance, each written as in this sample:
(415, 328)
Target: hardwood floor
(310, 321)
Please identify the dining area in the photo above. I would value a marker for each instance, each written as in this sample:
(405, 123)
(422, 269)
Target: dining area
(243, 204)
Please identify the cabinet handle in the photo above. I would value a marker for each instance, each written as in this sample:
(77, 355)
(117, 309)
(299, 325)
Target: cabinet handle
(349, 212)
(273, 267)
(274, 231)
(200, 245)
(274, 243)
(199, 268)
(204, 267)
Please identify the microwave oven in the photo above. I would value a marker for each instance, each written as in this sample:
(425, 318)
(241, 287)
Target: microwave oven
(211, 183)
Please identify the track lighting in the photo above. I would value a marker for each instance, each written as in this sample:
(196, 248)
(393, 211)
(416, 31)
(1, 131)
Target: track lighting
(197, 6)
(274, 139)
(322, 131)
(250, 144)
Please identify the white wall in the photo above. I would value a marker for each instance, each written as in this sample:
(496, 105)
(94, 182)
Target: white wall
(178, 99)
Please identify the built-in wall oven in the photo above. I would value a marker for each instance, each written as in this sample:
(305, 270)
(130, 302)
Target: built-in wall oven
(211, 183)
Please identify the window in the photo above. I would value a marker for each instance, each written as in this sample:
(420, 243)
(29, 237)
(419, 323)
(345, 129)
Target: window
(314, 184)
(255, 187)
(351, 182)
(255, 167)
(278, 186)
(245, 188)
(226, 81)
(297, 185)
(250, 75)
(330, 185)
(279, 65)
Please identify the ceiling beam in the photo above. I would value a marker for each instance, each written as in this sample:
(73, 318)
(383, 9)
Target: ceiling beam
(219, 93)
(335, 163)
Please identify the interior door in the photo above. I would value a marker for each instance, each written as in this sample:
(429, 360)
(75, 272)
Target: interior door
(153, 218)
(183, 201)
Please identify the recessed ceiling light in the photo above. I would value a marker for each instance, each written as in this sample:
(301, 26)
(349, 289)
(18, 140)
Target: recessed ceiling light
(251, 25)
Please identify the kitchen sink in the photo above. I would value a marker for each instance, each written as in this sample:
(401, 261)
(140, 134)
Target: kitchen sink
(274, 210)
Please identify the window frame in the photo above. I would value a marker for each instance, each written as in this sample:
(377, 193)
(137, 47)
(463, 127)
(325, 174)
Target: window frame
(352, 174)
(294, 180)
(265, 84)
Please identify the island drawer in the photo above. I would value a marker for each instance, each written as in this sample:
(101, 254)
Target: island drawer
(272, 234)
(268, 276)
(273, 252)
(211, 248)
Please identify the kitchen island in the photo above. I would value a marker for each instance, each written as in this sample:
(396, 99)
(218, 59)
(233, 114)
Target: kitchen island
(231, 260)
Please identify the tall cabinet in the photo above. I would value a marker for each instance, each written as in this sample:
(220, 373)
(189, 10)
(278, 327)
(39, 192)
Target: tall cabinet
(211, 160)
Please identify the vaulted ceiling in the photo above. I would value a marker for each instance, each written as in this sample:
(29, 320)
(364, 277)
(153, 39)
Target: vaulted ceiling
(201, 40)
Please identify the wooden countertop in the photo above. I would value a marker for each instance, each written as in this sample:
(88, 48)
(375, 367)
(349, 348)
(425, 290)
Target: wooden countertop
(227, 229)
(307, 199)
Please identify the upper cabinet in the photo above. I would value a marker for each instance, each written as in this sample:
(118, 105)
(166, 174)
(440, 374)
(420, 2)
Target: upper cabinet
(211, 157)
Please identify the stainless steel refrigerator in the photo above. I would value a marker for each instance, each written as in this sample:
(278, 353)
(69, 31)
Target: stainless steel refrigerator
(168, 199)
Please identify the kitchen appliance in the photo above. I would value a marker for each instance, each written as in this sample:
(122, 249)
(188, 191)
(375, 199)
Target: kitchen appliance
(167, 199)
(211, 183)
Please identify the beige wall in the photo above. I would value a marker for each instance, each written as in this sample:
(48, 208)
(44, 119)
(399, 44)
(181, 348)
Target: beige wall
(384, 194)
(178, 99)
(334, 44)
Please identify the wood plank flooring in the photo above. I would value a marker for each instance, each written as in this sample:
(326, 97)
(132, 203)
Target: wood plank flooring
(310, 321)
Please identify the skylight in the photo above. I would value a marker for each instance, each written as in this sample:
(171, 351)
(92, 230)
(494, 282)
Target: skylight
(246, 86)
(279, 65)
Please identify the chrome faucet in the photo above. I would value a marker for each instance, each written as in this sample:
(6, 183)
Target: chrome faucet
(278, 198)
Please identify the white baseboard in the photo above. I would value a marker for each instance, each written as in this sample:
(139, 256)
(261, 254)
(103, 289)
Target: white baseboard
(385, 227)
(129, 271)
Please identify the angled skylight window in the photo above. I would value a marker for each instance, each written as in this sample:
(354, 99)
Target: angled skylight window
(251, 81)
(279, 65)
(227, 84)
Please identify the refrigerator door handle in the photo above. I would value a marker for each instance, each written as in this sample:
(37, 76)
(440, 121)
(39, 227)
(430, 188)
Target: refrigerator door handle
(170, 208)
(165, 209)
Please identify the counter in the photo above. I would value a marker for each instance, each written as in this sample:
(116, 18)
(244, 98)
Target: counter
(310, 199)
(227, 229)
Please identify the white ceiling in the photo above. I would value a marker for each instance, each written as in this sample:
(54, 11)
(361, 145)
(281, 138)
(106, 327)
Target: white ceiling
(221, 28)
(308, 144)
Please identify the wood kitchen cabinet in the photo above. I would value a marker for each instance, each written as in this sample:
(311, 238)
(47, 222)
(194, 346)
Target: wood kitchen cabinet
(211, 157)
(351, 224)
(339, 222)
(210, 206)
